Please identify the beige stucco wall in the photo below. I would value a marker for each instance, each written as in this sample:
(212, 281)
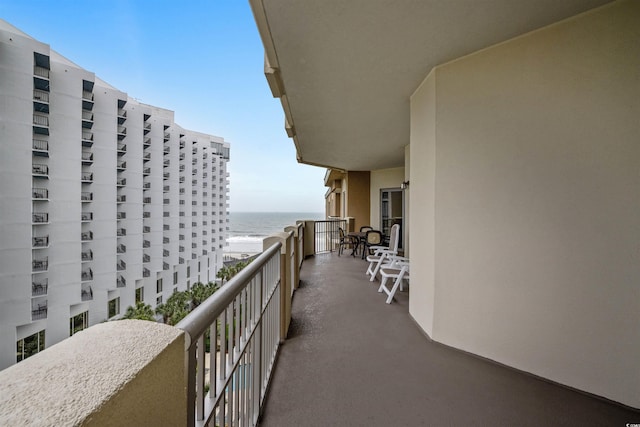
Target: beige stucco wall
(87, 380)
(524, 175)
(357, 197)
(382, 178)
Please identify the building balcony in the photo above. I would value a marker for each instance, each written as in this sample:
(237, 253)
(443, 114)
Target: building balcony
(87, 255)
(87, 138)
(38, 265)
(121, 198)
(121, 149)
(121, 265)
(41, 101)
(166, 240)
(146, 244)
(122, 132)
(87, 119)
(39, 310)
(86, 216)
(86, 196)
(40, 147)
(165, 266)
(121, 165)
(122, 116)
(86, 236)
(121, 232)
(86, 293)
(146, 142)
(41, 124)
(39, 288)
(39, 218)
(86, 275)
(167, 149)
(167, 136)
(146, 171)
(146, 272)
(40, 194)
(146, 229)
(147, 128)
(146, 258)
(121, 182)
(121, 215)
(40, 242)
(121, 249)
(146, 214)
(87, 158)
(387, 371)
(146, 200)
(121, 282)
(146, 157)
(165, 252)
(86, 177)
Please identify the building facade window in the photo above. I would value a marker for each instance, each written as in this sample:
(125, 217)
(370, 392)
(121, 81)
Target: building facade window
(78, 323)
(158, 286)
(175, 277)
(113, 308)
(29, 346)
(140, 294)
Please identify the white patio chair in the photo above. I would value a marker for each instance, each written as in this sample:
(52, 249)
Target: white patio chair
(383, 252)
(397, 269)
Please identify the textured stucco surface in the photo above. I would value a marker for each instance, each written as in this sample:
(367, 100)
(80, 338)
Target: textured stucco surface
(71, 382)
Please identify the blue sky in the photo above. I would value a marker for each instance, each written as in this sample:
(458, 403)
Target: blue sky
(202, 59)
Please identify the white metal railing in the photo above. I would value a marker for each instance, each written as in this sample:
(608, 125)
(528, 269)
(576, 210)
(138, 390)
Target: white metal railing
(40, 120)
(327, 234)
(40, 145)
(40, 95)
(41, 72)
(87, 95)
(242, 321)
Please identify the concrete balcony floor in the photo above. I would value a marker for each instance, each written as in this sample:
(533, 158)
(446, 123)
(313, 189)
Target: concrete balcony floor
(352, 360)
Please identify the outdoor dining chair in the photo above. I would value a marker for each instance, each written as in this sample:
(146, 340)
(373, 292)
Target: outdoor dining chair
(345, 240)
(398, 270)
(383, 252)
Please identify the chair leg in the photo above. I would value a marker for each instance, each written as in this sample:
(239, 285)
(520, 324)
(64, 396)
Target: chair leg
(375, 270)
(394, 289)
(382, 287)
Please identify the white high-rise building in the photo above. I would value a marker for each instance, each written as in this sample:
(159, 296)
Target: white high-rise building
(104, 201)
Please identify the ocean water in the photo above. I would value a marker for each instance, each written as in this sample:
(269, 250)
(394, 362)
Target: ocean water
(247, 229)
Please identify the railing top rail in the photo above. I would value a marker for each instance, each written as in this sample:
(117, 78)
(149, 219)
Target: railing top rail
(197, 322)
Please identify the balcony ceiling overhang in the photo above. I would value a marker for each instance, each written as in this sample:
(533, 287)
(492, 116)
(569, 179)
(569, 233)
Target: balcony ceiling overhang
(345, 70)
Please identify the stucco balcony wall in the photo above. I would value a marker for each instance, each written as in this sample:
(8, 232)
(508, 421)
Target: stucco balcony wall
(128, 372)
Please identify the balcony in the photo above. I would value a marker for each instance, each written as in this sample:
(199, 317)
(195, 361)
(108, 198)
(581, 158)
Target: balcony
(146, 244)
(87, 138)
(121, 198)
(121, 149)
(121, 249)
(121, 282)
(87, 255)
(121, 265)
(146, 272)
(86, 177)
(41, 124)
(86, 293)
(39, 310)
(165, 252)
(122, 132)
(121, 215)
(121, 232)
(146, 258)
(146, 171)
(383, 358)
(40, 194)
(40, 147)
(41, 101)
(86, 196)
(86, 236)
(86, 216)
(87, 158)
(86, 275)
(166, 175)
(167, 149)
(122, 116)
(167, 136)
(39, 218)
(146, 142)
(121, 182)
(146, 214)
(146, 229)
(39, 288)
(147, 128)
(166, 240)
(40, 264)
(121, 165)
(165, 266)
(146, 200)
(40, 242)
(146, 157)
(87, 119)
